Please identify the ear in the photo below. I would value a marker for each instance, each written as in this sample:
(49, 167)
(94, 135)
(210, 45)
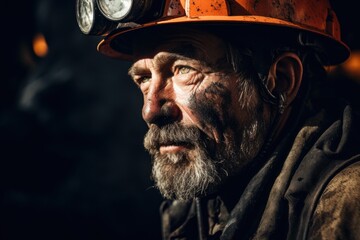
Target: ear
(285, 76)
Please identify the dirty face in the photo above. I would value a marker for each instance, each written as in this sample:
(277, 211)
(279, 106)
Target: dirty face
(205, 121)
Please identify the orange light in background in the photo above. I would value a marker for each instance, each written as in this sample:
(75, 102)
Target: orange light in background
(40, 46)
(352, 66)
(330, 69)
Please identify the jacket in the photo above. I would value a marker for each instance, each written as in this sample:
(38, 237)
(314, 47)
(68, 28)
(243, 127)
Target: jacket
(307, 188)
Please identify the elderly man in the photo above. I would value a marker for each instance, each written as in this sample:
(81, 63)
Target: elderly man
(243, 141)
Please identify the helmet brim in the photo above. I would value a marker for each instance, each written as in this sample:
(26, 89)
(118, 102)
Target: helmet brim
(118, 44)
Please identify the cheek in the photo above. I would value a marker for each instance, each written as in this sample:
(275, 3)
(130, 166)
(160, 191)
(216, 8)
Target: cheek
(212, 107)
(184, 98)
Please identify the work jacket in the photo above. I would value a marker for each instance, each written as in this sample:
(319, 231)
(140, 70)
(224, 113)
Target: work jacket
(306, 187)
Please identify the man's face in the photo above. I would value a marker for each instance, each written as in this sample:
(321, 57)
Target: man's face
(205, 121)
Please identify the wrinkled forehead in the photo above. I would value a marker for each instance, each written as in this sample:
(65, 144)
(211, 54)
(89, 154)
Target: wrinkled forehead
(190, 43)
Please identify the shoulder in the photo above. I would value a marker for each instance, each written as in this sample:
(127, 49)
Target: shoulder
(337, 215)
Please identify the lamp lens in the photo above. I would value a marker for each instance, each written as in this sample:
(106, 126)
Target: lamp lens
(115, 9)
(85, 15)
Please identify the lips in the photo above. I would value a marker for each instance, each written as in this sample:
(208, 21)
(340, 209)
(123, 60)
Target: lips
(174, 147)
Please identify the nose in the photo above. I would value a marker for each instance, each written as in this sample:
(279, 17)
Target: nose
(160, 107)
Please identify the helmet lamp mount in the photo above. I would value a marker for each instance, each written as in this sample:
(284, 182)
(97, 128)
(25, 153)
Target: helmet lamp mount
(98, 17)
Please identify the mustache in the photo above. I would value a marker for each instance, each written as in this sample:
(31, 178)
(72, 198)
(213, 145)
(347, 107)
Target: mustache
(173, 134)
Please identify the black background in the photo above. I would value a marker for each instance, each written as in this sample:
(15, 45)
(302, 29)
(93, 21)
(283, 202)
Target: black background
(72, 162)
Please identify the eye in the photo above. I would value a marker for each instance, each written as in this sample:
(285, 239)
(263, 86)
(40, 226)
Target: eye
(183, 69)
(141, 80)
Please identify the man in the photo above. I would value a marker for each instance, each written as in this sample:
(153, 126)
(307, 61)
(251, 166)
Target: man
(245, 143)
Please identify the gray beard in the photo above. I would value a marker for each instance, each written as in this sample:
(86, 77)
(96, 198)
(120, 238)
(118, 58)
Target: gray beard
(204, 168)
(178, 177)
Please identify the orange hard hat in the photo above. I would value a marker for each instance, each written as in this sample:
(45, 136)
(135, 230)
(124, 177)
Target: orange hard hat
(315, 18)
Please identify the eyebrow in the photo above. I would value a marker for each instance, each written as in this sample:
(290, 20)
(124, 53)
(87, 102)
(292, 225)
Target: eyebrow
(160, 60)
(136, 70)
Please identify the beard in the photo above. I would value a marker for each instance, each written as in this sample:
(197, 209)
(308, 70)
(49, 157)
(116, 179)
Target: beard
(205, 164)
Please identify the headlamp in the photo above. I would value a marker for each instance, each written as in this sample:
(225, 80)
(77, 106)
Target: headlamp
(98, 17)
(115, 9)
(90, 20)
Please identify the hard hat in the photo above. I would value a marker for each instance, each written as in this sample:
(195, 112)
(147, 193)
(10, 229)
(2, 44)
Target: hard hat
(314, 18)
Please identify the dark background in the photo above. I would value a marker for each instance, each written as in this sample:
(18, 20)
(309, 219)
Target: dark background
(72, 162)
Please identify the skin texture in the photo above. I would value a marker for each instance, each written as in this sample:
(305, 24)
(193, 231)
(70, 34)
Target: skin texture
(200, 130)
(206, 121)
